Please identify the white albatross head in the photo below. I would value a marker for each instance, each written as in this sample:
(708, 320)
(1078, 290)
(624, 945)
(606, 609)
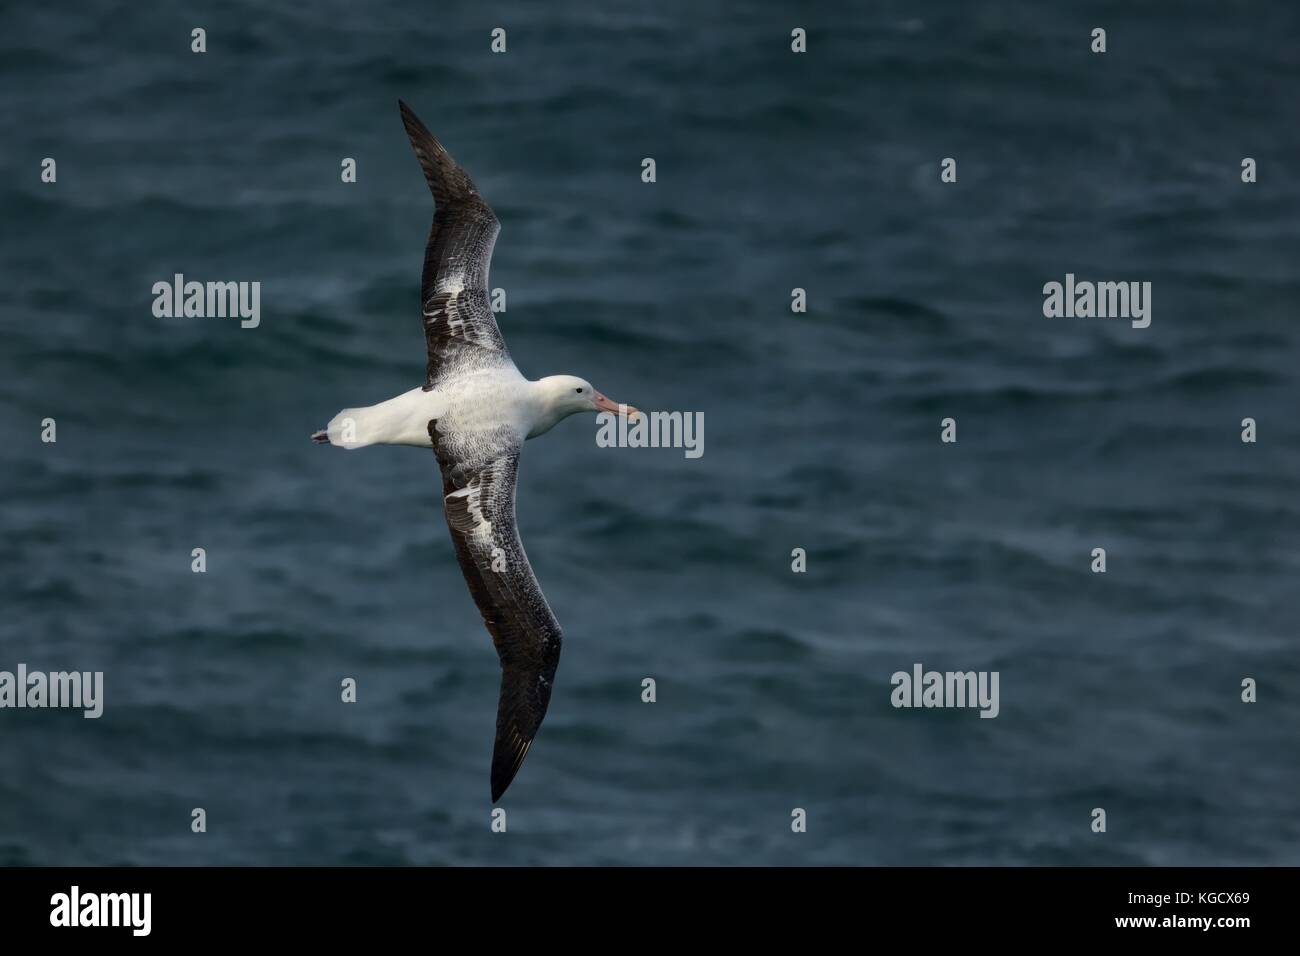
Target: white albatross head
(559, 396)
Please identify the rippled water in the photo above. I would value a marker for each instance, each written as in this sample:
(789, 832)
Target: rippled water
(775, 171)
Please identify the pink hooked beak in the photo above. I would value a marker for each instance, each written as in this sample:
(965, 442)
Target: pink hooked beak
(603, 404)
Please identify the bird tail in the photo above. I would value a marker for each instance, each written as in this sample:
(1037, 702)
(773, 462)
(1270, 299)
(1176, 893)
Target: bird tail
(347, 429)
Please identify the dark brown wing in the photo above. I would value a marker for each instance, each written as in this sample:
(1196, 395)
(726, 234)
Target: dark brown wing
(453, 285)
(480, 508)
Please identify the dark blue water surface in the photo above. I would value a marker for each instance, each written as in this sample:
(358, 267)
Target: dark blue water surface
(774, 171)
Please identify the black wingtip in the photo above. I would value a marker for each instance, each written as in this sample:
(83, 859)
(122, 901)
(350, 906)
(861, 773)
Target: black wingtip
(447, 181)
(415, 129)
(502, 777)
(506, 761)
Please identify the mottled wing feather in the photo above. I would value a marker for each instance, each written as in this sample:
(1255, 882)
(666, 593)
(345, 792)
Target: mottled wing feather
(453, 285)
(480, 508)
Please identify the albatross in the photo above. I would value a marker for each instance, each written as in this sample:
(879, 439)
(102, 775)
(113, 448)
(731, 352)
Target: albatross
(475, 410)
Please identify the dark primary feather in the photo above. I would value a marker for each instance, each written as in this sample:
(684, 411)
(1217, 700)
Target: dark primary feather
(453, 284)
(526, 634)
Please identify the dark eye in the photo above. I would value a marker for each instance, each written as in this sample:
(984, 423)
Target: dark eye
(578, 390)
